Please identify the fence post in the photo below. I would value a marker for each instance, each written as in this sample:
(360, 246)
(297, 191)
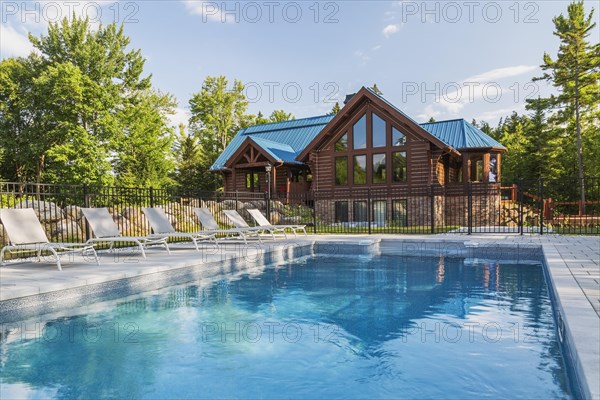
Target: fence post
(151, 196)
(268, 200)
(86, 204)
(432, 207)
(542, 203)
(314, 210)
(520, 200)
(237, 199)
(369, 210)
(469, 208)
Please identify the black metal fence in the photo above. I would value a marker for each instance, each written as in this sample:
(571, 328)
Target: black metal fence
(526, 207)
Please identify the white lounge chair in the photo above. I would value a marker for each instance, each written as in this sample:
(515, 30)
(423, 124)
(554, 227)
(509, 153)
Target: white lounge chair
(25, 232)
(105, 230)
(210, 225)
(262, 221)
(240, 223)
(162, 226)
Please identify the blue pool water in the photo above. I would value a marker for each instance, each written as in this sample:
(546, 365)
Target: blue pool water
(322, 327)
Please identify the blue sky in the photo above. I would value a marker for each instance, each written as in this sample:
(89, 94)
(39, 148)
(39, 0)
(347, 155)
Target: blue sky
(463, 59)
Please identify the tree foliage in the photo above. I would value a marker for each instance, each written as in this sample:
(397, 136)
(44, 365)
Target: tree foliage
(559, 137)
(218, 112)
(280, 116)
(80, 111)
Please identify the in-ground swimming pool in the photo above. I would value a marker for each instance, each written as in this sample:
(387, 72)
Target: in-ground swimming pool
(317, 327)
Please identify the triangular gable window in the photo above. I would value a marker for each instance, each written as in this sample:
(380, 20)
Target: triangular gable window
(398, 138)
(359, 133)
(342, 143)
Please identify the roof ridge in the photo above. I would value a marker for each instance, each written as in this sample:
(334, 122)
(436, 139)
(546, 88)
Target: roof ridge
(446, 120)
(289, 120)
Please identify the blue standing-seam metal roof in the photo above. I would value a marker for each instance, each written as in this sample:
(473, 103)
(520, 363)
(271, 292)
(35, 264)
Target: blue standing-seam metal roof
(460, 134)
(282, 140)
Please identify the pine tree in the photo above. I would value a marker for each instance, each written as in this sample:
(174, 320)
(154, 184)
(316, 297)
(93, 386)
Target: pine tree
(376, 90)
(576, 73)
(336, 108)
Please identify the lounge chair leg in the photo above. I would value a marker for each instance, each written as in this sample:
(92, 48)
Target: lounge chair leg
(195, 243)
(96, 256)
(56, 256)
(142, 249)
(2, 254)
(39, 254)
(167, 247)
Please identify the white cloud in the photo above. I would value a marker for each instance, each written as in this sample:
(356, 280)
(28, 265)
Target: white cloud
(484, 85)
(428, 112)
(181, 116)
(13, 43)
(502, 73)
(389, 30)
(362, 56)
(375, 48)
(208, 10)
(493, 116)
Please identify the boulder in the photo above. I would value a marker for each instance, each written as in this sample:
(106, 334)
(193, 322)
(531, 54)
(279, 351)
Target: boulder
(291, 220)
(73, 212)
(275, 217)
(46, 211)
(65, 230)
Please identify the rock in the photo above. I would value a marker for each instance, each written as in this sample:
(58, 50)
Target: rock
(229, 204)
(73, 212)
(46, 211)
(275, 218)
(291, 220)
(65, 230)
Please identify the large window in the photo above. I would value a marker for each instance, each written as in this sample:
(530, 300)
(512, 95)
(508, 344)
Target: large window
(359, 211)
(360, 170)
(341, 211)
(379, 168)
(253, 181)
(342, 143)
(378, 132)
(399, 166)
(359, 133)
(398, 138)
(341, 170)
(479, 170)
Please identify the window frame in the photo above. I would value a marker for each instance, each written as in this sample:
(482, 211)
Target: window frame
(368, 112)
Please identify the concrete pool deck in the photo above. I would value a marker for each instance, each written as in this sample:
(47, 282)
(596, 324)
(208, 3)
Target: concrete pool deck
(573, 266)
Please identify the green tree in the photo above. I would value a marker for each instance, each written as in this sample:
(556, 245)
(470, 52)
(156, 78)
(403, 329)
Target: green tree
(431, 119)
(20, 133)
(576, 73)
(375, 88)
(218, 112)
(260, 119)
(280, 116)
(65, 112)
(336, 108)
(190, 170)
(144, 156)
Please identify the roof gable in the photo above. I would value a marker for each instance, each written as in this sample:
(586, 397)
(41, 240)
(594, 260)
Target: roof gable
(461, 135)
(365, 95)
(283, 141)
